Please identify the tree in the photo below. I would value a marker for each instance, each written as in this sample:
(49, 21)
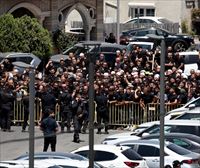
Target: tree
(24, 34)
(63, 40)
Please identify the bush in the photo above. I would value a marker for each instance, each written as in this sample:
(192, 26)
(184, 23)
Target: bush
(24, 34)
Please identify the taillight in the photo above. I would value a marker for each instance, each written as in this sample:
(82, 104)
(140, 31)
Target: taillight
(190, 161)
(131, 164)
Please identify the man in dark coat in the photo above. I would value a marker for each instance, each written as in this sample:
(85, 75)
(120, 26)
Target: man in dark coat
(49, 127)
(102, 110)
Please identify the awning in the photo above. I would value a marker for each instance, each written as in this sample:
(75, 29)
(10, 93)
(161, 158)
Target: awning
(146, 5)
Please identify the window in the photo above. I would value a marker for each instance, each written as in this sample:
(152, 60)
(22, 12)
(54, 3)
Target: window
(142, 33)
(104, 156)
(131, 154)
(150, 12)
(144, 150)
(142, 11)
(178, 149)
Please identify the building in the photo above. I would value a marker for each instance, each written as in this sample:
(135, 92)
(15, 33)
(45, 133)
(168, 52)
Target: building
(52, 14)
(174, 10)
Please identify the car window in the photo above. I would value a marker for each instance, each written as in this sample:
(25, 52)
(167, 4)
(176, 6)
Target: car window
(83, 153)
(104, 156)
(145, 150)
(185, 129)
(177, 149)
(179, 142)
(142, 33)
(189, 116)
(161, 33)
(191, 59)
(131, 154)
(133, 33)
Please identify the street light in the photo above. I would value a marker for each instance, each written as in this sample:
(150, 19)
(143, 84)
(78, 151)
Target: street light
(92, 59)
(162, 95)
(31, 109)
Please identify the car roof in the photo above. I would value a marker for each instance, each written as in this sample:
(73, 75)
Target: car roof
(112, 148)
(58, 57)
(25, 163)
(63, 154)
(183, 122)
(101, 43)
(189, 53)
(145, 17)
(176, 134)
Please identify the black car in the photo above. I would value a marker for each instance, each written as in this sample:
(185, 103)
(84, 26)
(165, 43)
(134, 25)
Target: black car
(177, 41)
(108, 49)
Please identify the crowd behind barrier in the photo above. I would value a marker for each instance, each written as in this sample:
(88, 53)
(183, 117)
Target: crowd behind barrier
(128, 113)
(133, 77)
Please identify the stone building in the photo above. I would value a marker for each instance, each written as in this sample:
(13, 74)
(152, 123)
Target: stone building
(52, 14)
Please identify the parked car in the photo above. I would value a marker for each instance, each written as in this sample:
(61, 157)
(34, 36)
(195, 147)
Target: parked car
(113, 156)
(179, 126)
(72, 163)
(27, 58)
(52, 155)
(177, 41)
(187, 141)
(148, 19)
(108, 49)
(189, 115)
(191, 61)
(150, 150)
(194, 104)
(25, 164)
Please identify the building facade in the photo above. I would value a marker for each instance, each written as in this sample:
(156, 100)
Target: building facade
(177, 11)
(52, 14)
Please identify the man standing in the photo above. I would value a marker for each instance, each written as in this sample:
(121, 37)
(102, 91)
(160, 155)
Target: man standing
(49, 127)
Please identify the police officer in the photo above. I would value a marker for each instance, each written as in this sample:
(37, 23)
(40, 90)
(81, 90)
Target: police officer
(7, 98)
(77, 112)
(65, 99)
(102, 110)
(49, 127)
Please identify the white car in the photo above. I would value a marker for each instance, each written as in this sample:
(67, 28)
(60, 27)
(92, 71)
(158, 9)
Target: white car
(25, 164)
(191, 105)
(71, 163)
(181, 126)
(148, 19)
(112, 156)
(150, 150)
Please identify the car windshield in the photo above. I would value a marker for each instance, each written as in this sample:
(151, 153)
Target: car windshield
(178, 149)
(192, 116)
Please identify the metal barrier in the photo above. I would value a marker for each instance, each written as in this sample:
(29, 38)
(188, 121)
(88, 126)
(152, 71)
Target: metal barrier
(120, 113)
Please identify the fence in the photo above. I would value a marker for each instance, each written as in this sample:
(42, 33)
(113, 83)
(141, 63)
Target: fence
(124, 113)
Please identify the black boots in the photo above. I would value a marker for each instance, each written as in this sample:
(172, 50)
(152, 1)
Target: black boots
(76, 138)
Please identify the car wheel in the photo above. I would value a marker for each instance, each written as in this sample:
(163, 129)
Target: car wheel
(179, 46)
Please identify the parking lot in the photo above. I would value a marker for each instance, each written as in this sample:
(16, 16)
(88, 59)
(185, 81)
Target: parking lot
(13, 144)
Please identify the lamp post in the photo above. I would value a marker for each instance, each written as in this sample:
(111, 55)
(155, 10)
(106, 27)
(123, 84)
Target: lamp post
(162, 95)
(92, 59)
(31, 110)
(118, 21)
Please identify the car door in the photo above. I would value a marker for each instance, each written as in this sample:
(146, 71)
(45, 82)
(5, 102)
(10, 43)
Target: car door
(150, 153)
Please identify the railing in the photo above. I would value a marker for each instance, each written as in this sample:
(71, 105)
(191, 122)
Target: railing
(123, 113)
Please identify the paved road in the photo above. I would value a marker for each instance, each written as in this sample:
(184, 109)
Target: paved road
(13, 144)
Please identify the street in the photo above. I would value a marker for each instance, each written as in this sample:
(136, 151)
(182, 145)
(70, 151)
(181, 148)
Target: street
(13, 144)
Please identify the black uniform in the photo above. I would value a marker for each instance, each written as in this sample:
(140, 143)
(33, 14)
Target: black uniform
(77, 113)
(102, 111)
(66, 110)
(49, 127)
(25, 101)
(7, 101)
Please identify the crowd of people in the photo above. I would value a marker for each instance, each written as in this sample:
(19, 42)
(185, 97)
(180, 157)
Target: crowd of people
(133, 76)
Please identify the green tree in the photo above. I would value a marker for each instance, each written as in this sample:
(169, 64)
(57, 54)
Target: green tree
(63, 40)
(24, 34)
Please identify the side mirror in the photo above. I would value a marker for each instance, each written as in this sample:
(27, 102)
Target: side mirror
(145, 134)
(191, 106)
